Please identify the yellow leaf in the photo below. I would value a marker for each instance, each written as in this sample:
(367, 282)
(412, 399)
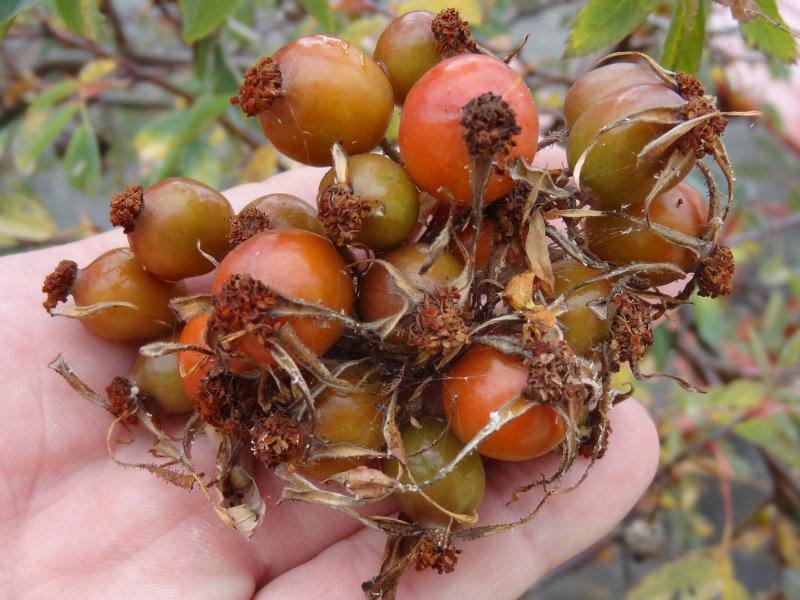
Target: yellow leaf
(96, 69)
(24, 218)
(261, 165)
(470, 10)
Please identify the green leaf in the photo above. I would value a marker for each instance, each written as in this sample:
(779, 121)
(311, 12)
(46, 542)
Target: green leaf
(683, 47)
(224, 77)
(694, 575)
(774, 320)
(11, 8)
(321, 11)
(601, 23)
(769, 33)
(24, 218)
(37, 132)
(80, 16)
(82, 159)
(757, 349)
(776, 434)
(52, 95)
(202, 17)
(708, 314)
(790, 353)
(662, 347)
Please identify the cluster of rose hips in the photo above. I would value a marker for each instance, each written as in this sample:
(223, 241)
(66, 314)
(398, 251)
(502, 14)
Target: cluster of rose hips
(443, 302)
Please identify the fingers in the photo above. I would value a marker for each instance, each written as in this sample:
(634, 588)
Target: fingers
(505, 565)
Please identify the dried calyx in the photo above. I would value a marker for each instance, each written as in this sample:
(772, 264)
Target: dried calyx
(715, 274)
(439, 324)
(342, 213)
(437, 551)
(243, 304)
(488, 123)
(452, 35)
(246, 224)
(276, 439)
(631, 328)
(227, 402)
(554, 375)
(122, 402)
(125, 207)
(509, 211)
(703, 137)
(57, 284)
(261, 87)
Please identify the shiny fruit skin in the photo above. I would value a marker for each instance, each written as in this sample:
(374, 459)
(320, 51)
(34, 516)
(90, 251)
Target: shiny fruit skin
(407, 50)
(604, 81)
(460, 491)
(157, 377)
(379, 297)
(483, 380)
(584, 330)
(391, 193)
(610, 168)
(484, 247)
(333, 93)
(431, 136)
(288, 212)
(618, 241)
(116, 276)
(299, 264)
(347, 416)
(177, 212)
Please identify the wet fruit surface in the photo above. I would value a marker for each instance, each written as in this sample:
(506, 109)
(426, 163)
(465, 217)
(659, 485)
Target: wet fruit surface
(431, 135)
(482, 381)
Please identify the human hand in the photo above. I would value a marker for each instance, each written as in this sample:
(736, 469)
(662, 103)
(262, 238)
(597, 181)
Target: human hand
(75, 525)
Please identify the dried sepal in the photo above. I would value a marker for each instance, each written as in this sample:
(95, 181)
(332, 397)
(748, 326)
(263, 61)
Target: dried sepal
(261, 87)
(596, 442)
(366, 483)
(243, 304)
(452, 34)
(125, 207)
(489, 124)
(439, 324)
(186, 308)
(631, 327)
(246, 224)
(57, 285)
(342, 213)
(276, 439)
(715, 274)
(227, 402)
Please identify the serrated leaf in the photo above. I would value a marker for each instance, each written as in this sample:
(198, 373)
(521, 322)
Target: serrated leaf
(769, 33)
(470, 10)
(82, 159)
(24, 218)
(776, 434)
(202, 17)
(708, 314)
(11, 8)
(37, 132)
(601, 23)
(683, 47)
(80, 16)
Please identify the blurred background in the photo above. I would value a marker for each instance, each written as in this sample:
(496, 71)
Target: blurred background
(97, 94)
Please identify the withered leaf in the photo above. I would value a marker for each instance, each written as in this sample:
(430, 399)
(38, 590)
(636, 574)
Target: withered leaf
(537, 253)
(366, 483)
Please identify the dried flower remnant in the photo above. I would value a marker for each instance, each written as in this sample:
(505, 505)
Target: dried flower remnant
(125, 207)
(58, 283)
(715, 275)
(489, 123)
(276, 439)
(451, 34)
(342, 213)
(246, 224)
(554, 376)
(631, 328)
(689, 86)
(226, 402)
(437, 553)
(242, 305)
(439, 323)
(261, 87)
(703, 138)
(509, 211)
(122, 402)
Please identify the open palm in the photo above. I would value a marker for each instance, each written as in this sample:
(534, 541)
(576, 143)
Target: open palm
(74, 525)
